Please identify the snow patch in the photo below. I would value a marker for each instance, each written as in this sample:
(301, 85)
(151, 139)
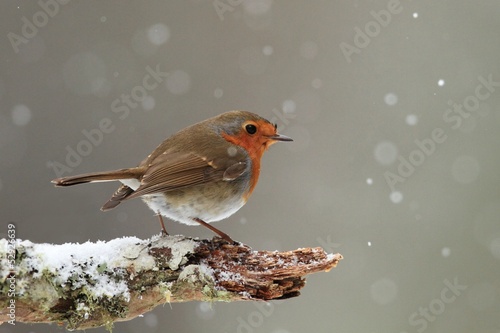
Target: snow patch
(97, 266)
(194, 273)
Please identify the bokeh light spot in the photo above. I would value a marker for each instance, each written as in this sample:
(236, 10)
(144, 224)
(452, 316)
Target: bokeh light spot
(158, 34)
(396, 197)
(21, 115)
(391, 99)
(385, 152)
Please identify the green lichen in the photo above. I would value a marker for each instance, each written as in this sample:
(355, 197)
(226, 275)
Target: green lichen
(100, 310)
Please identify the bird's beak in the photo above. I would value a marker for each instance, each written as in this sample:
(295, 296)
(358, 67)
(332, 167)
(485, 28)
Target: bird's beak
(280, 137)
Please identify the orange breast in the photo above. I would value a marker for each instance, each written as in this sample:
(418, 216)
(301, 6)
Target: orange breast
(255, 151)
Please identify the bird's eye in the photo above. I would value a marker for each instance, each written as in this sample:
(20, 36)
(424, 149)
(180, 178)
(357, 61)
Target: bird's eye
(251, 129)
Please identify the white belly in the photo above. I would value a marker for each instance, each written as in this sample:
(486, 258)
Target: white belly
(186, 212)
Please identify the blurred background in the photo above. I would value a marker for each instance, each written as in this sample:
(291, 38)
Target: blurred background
(394, 107)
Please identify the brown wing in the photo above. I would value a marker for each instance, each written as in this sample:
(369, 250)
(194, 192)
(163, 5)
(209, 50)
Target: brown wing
(172, 171)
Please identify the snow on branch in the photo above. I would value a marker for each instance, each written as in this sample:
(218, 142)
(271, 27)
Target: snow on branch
(96, 284)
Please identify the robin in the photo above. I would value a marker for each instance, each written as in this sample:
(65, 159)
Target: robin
(202, 174)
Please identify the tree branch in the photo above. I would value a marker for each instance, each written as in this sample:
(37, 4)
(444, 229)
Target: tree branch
(95, 284)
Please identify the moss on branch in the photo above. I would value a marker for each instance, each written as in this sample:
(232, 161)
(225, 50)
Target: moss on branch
(98, 283)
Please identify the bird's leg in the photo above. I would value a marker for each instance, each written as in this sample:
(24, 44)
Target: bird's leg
(214, 229)
(163, 230)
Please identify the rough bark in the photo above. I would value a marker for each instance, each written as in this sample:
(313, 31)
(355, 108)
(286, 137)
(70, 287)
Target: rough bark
(96, 284)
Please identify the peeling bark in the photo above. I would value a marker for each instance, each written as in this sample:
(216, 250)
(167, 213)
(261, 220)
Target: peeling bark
(96, 284)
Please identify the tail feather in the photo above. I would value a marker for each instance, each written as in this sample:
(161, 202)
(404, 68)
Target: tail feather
(121, 194)
(104, 176)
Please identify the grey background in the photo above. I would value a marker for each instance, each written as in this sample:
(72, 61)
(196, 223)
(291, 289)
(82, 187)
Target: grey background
(353, 119)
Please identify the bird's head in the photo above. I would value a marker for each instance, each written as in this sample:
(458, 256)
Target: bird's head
(249, 131)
